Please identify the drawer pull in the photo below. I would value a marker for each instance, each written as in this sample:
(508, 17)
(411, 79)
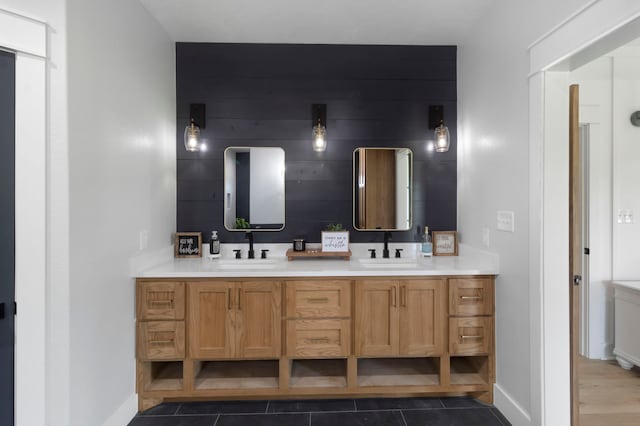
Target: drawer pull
(470, 297)
(470, 337)
(318, 300)
(161, 302)
(161, 342)
(318, 340)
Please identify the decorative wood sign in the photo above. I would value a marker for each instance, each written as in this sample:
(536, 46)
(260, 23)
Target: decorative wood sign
(188, 244)
(445, 243)
(335, 241)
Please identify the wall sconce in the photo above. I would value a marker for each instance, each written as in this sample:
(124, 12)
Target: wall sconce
(319, 123)
(441, 132)
(192, 140)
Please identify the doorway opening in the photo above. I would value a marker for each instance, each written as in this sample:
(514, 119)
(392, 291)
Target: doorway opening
(7, 236)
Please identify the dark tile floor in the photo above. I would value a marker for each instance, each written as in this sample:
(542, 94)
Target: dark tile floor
(335, 412)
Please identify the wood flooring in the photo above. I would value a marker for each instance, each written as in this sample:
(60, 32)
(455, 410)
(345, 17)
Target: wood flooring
(609, 395)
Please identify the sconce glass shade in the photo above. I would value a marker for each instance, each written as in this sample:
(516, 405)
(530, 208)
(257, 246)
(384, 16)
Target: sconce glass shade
(319, 137)
(192, 137)
(442, 138)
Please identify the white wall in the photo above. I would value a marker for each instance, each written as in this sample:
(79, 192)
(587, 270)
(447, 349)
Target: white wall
(626, 175)
(122, 181)
(493, 174)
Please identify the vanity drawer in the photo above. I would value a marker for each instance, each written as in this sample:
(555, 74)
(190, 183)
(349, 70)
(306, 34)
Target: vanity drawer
(161, 340)
(470, 336)
(321, 299)
(318, 338)
(470, 296)
(160, 301)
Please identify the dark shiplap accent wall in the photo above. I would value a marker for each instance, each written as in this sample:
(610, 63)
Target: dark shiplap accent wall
(261, 95)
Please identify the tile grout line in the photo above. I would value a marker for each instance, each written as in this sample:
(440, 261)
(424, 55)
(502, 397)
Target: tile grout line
(309, 419)
(266, 410)
(217, 418)
(496, 416)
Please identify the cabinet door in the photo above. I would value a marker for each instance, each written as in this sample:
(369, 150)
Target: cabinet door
(422, 310)
(211, 332)
(376, 318)
(259, 325)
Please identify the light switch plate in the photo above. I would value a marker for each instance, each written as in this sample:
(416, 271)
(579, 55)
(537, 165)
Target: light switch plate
(505, 221)
(486, 237)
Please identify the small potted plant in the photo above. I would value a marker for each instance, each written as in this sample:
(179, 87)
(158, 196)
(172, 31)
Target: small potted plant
(241, 223)
(335, 238)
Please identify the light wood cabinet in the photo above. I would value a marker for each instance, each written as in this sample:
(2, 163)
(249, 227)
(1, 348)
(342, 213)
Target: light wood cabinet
(377, 318)
(422, 308)
(470, 296)
(161, 300)
(314, 337)
(318, 318)
(212, 315)
(161, 340)
(160, 308)
(234, 320)
(471, 310)
(399, 317)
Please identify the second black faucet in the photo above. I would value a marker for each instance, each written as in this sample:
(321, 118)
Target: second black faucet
(249, 236)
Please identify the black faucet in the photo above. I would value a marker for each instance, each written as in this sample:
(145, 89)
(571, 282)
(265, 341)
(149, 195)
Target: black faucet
(385, 251)
(249, 236)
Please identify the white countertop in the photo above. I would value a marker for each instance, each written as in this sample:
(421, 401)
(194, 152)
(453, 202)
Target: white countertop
(469, 262)
(633, 285)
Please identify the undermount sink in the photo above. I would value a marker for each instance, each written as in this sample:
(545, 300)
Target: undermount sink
(388, 263)
(249, 263)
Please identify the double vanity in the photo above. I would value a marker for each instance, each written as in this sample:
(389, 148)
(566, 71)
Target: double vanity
(267, 328)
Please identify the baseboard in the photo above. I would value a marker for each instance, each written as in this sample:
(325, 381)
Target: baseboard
(124, 414)
(510, 408)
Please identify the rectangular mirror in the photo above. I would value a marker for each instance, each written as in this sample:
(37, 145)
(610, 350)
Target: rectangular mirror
(253, 189)
(382, 187)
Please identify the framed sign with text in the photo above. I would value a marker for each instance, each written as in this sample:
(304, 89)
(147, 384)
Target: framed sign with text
(188, 244)
(445, 243)
(335, 241)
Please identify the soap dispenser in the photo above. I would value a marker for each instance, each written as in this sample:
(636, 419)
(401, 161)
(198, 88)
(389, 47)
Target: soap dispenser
(426, 248)
(214, 245)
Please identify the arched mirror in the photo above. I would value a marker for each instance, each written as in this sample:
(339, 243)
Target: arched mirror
(253, 189)
(382, 189)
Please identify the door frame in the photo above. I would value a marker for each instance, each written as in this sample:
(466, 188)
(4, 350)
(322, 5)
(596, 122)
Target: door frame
(27, 37)
(598, 25)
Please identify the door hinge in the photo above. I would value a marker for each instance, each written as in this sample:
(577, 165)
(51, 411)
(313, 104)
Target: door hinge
(1, 311)
(15, 308)
(586, 250)
(577, 279)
